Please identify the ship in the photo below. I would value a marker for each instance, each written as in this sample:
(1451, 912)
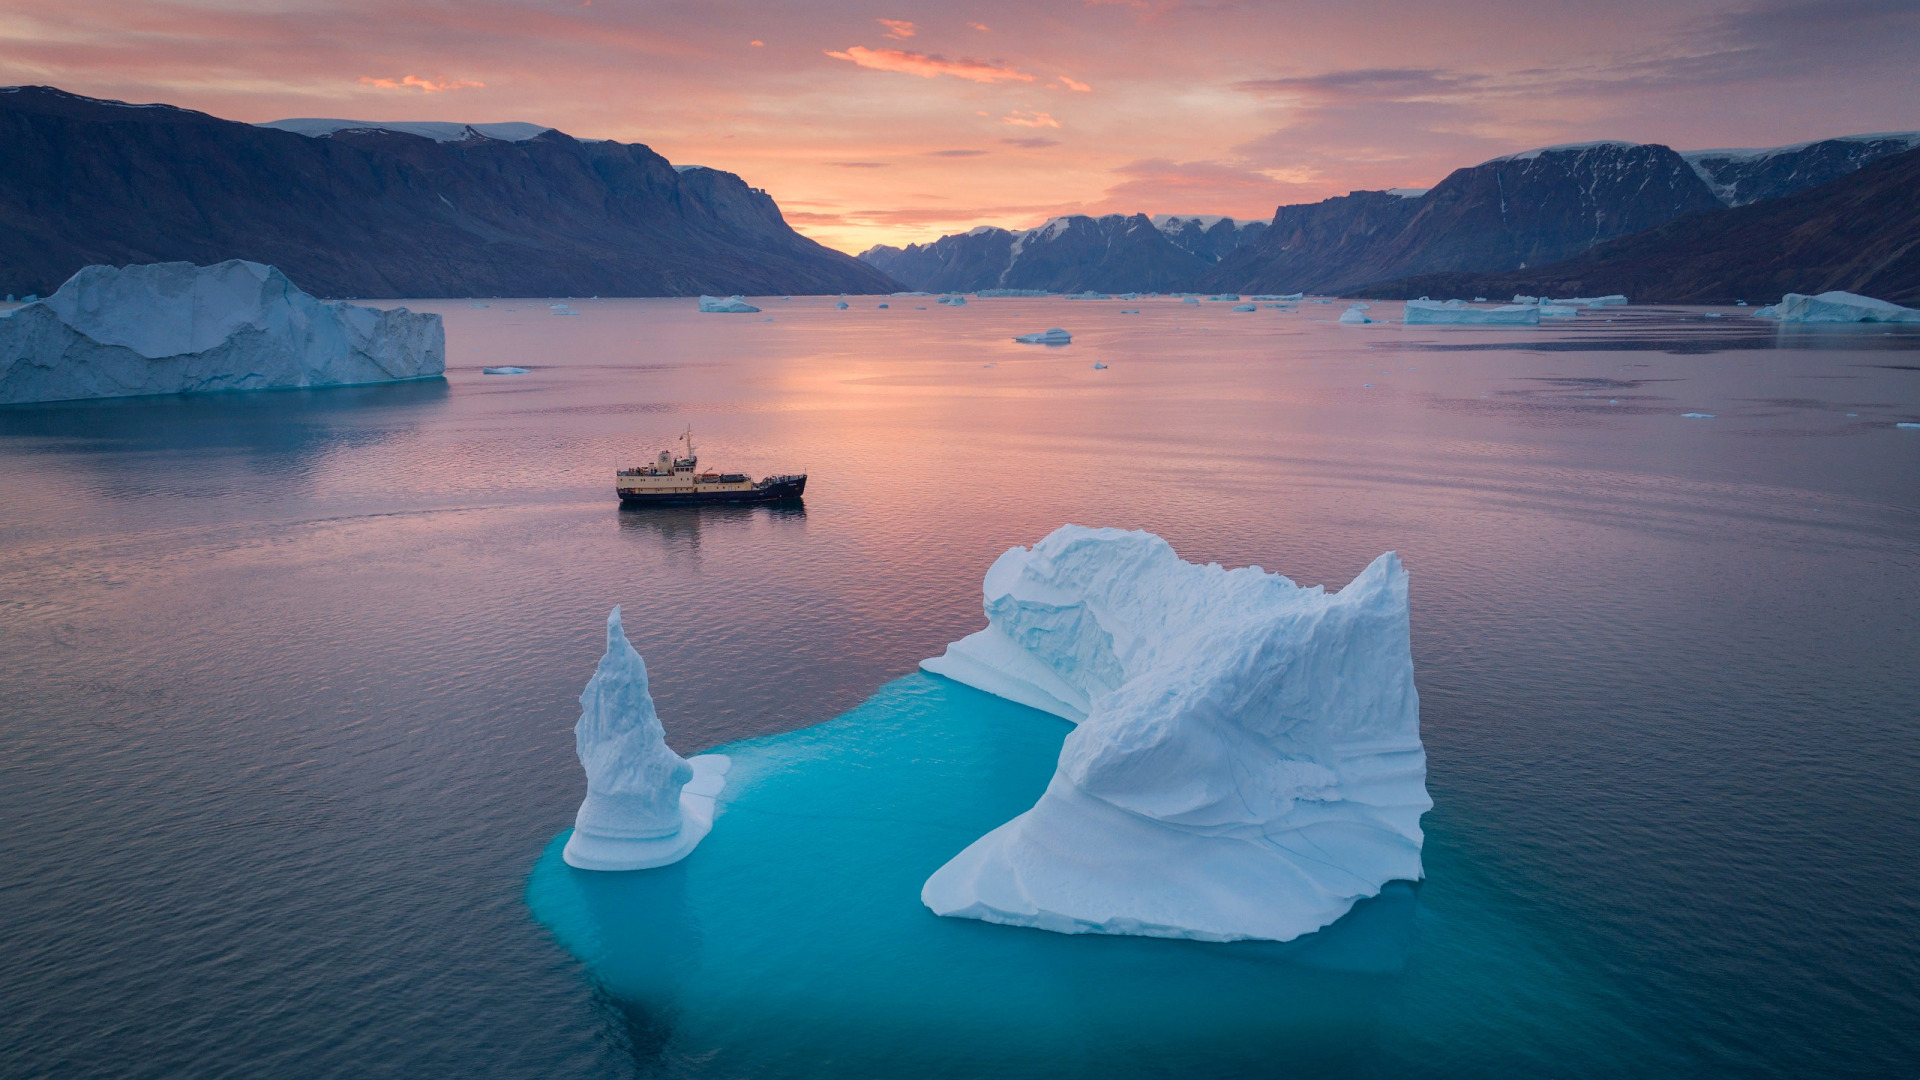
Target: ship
(674, 481)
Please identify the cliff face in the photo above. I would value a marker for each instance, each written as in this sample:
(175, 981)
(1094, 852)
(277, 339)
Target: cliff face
(361, 212)
(1860, 233)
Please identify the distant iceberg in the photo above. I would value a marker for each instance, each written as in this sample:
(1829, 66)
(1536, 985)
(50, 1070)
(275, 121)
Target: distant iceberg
(1246, 307)
(1232, 298)
(952, 301)
(1558, 311)
(1355, 316)
(1285, 298)
(176, 328)
(1002, 293)
(840, 305)
(1248, 760)
(505, 369)
(1190, 300)
(1457, 313)
(731, 305)
(1088, 295)
(1837, 307)
(1055, 336)
(646, 806)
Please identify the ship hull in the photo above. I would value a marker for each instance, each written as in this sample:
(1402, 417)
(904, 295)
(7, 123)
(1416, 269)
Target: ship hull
(782, 491)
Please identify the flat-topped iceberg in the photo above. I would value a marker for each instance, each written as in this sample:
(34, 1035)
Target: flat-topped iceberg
(1457, 313)
(1248, 760)
(1837, 307)
(646, 806)
(1055, 336)
(727, 305)
(176, 328)
(1291, 298)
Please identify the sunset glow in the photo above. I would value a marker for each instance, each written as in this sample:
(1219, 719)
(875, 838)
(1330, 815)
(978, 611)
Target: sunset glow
(1005, 113)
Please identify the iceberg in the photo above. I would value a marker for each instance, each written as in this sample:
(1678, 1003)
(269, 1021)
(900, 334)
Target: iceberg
(1559, 311)
(1055, 336)
(505, 369)
(177, 328)
(1837, 307)
(1610, 300)
(1002, 293)
(1245, 307)
(1190, 300)
(1287, 298)
(646, 806)
(1456, 313)
(1247, 763)
(1355, 316)
(731, 305)
(952, 301)
(840, 305)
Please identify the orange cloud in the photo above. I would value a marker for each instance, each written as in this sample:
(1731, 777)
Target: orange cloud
(426, 86)
(980, 26)
(928, 66)
(1023, 118)
(898, 29)
(1075, 85)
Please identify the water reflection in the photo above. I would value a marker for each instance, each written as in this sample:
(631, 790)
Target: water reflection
(676, 530)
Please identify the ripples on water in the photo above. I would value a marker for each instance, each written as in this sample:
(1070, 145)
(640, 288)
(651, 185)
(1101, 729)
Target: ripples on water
(290, 677)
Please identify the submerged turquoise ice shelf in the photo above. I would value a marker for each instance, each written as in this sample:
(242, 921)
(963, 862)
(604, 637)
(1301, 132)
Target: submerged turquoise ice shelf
(793, 941)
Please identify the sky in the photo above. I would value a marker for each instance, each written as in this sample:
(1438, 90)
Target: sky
(899, 121)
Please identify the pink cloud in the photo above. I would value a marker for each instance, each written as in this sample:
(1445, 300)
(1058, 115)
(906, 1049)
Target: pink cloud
(928, 66)
(1075, 85)
(1023, 118)
(898, 29)
(425, 86)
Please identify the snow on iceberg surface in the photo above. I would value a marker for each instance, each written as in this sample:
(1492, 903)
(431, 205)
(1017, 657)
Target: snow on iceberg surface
(1837, 307)
(1055, 336)
(173, 328)
(646, 806)
(730, 305)
(1248, 760)
(1455, 313)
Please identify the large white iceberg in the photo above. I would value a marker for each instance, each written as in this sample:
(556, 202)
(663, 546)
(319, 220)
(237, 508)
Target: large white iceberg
(646, 806)
(1248, 760)
(1055, 336)
(1457, 313)
(1837, 307)
(174, 328)
(728, 305)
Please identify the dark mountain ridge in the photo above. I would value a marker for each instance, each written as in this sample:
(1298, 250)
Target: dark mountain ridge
(371, 212)
(1860, 232)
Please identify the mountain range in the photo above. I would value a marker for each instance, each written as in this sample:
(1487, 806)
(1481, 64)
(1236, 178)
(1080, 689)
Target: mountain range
(350, 210)
(1859, 232)
(1117, 252)
(1501, 217)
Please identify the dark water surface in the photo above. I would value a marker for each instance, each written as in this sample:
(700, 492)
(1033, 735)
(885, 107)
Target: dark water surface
(290, 677)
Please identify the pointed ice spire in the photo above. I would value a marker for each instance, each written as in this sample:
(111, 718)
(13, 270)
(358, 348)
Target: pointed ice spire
(646, 805)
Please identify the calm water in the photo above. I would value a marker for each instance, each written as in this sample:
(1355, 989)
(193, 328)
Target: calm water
(285, 725)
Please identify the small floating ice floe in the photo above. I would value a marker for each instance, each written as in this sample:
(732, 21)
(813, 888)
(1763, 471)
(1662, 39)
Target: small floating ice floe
(726, 305)
(646, 806)
(1129, 311)
(504, 369)
(1246, 307)
(1457, 313)
(1697, 415)
(840, 305)
(1355, 316)
(1285, 298)
(1098, 366)
(1190, 300)
(479, 305)
(561, 309)
(883, 306)
(1905, 424)
(1055, 336)
(1837, 307)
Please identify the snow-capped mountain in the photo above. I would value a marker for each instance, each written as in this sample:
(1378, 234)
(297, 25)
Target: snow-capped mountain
(1114, 253)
